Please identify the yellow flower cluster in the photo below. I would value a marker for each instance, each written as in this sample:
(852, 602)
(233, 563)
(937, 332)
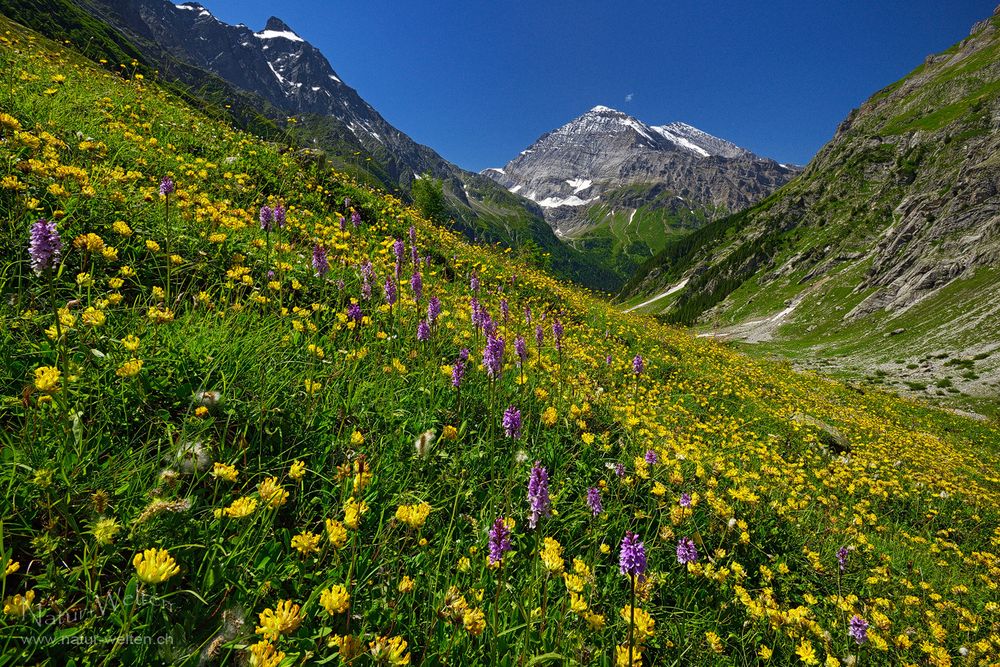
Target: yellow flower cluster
(154, 566)
(413, 516)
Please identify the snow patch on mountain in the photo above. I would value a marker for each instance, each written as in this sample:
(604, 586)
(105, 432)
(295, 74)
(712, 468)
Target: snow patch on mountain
(278, 34)
(572, 200)
(680, 141)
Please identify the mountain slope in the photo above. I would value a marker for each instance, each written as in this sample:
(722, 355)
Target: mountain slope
(582, 173)
(277, 73)
(899, 211)
(258, 457)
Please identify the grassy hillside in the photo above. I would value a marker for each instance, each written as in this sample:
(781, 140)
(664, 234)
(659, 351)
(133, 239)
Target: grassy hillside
(883, 233)
(214, 455)
(634, 223)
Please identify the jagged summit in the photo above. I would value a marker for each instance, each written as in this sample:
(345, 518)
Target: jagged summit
(569, 169)
(278, 29)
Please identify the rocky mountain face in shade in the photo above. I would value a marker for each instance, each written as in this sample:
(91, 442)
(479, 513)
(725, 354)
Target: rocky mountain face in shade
(570, 169)
(277, 64)
(288, 74)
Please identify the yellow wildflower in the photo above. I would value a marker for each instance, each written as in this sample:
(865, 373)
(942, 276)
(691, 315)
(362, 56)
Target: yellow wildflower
(335, 599)
(19, 605)
(154, 566)
(272, 493)
(413, 516)
(353, 510)
(336, 533)
(224, 471)
(264, 654)
(551, 556)
(47, 379)
(282, 620)
(241, 507)
(306, 542)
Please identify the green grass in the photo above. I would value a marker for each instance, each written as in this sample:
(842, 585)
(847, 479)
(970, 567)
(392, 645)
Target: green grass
(104, 448)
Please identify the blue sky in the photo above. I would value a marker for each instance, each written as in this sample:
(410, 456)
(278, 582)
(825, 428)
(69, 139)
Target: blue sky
(479, 80)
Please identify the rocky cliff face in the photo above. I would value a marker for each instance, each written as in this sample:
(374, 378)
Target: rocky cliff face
(889, 242)
(568, 170)
(281, 67)
(288, 74)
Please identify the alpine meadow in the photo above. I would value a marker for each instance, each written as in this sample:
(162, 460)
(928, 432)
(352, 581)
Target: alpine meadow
(262, 404)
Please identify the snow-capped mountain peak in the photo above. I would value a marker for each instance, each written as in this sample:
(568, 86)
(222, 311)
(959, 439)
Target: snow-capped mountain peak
(568, 169)
(277, 29)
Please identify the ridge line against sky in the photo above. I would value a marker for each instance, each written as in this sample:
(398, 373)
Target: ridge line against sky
(479, 82)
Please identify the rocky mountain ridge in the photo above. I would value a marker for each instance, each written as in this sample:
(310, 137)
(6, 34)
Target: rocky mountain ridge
(567, 170)
(288, 74)
(884, 252)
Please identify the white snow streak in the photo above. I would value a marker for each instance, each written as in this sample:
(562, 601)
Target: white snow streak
(572, 200)
(676, 288)
(278, 34)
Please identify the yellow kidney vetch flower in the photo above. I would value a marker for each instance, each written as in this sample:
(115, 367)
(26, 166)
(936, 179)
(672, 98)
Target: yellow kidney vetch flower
(390, 650)
(474, 621)
(306, 542)
(154, 566)
(264, 654)
(240, 508)
(336, 533)
(645, 625)
(19, 605)
(224, 471)
(413, 516)
(297, 471)
(129, 369)
(551, 556)
(47, 379)
(284, 619)
(272, 493)
(353, 511)
(335, 599)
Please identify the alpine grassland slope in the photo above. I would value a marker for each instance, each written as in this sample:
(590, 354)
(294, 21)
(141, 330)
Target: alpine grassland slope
(880, 259)
(255, 413)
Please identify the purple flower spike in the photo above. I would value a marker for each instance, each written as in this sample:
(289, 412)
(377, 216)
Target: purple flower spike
(651, 457)
(45, 246)
(320, 262)
(166, 186)
(279, 215)
(637, 365)
(423, 331)
(433, 309)
(457, 373)
(538, 494)
(685, 499)
(266, 217)
(594, 500)
(354, 313)
(417, 285)
(859, 629)
(390, 291)
(686, 551)
(842, 558)
(493, 356)
(512, 422)
(499, 541)
(632, 559)
(521, 348)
